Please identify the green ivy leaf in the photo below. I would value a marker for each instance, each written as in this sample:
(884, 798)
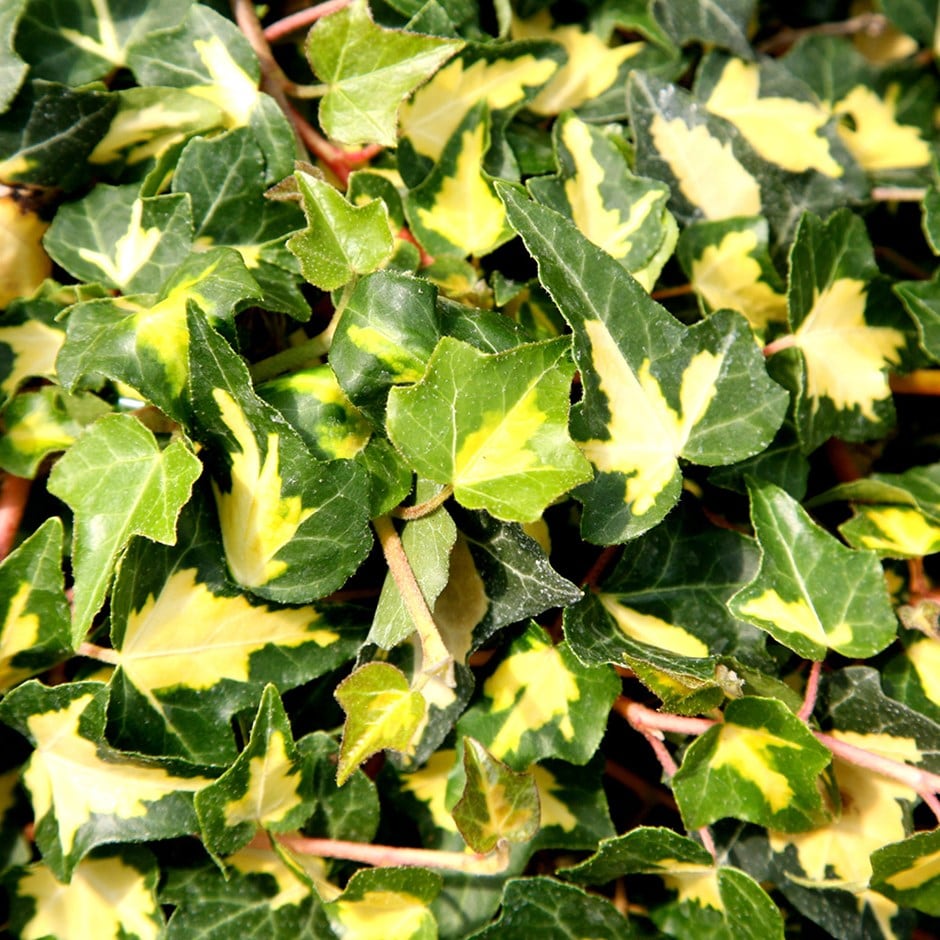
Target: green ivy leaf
(541, 702)
(793, 597)
(34, 614)
(760, 764)
(497, 803)
(266, 788)
(369, 70)
(381, 712)
(921, 299)
(721, 24)
(120, 484)
(13, 70)
(654, 391)
(341, 240)
(84, 792)
(507, 449)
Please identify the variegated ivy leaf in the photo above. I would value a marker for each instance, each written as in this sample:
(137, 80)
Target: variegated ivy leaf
(836, 360)
(43, 422)
(381, 712)
(192, 649)
(913, 676)
(30, 340)
(892, 531)
(379, 903)
(13, 69)
(108, 896)
(654, 390)
(341, 241)
(812, 593)
(48, 134)
(883, 114)
(729, 265)
(85, 40)
(722, 901)
(384, 337)
(761, 764)
(618, 211)
(119, 483)
(922, 301)
(258, 893)
(119, 238)
(266, 788)
(455, 209)
(541, 702)
(209, 56)
(497, 804)
(506, 77)
(369, 70)
(543, 906)
(225, 179)
(34, 614)
(507, 449)
(709, 22)
(84, 792)
(908, 872)
(143, 340)
(293, 529)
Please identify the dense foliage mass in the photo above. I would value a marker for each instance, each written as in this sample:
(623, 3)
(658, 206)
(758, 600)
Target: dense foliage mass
(469, 469)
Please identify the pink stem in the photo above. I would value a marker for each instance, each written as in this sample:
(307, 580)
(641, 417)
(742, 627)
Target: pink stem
(784, 342)
(922, 781)
(812, 690)
(14, 492)
(290, 24)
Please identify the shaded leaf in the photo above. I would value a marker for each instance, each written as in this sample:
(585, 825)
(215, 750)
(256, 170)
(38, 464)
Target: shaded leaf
(119, 484)
(907, 872)
(13, 70)
(722, 24)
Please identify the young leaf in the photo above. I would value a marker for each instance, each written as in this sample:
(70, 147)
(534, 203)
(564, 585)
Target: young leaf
(793, 596)
(108, 896)
(654, 391)
(85, 793)
(34, 614)
(760, 764)
(119, 484)
(266, 788)
(497, 803)
(291, 533)
(541, 702)
(507, 447)
(369, 70)
(562, 912)
(341, 240)
(381, 712)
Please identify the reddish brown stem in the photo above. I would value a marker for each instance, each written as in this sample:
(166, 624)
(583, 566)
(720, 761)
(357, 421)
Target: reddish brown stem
(918, 382)
(665, 293)
(638, 785)
(841, 460)
(296, 21)
(600, 566)
(14, 493)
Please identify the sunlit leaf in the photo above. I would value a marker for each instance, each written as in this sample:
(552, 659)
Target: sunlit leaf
(892, 531)
(369, 70)
(760, 764)
(117, 458)
(793, 596)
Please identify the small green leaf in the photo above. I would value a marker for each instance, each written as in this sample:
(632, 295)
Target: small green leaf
(381, 712)
(794, 596)
(497, 804)
(544, 907)
(908, 872)
(922, 301)
(119, 484)
(760, 764)
(84, 792)
(266, 788)
(369, 70)
(507, 448)
(341, 240)
(541, 702)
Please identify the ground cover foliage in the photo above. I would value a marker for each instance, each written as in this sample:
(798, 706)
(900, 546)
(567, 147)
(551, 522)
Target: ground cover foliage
(469, 469)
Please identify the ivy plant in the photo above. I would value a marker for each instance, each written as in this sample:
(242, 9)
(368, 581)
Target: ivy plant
(469, 469)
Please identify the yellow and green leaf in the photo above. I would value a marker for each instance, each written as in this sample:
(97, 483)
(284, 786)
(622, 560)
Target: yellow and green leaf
(892, 531)
(908, 872)
(761, 764)
(32, 348)
(616, 210)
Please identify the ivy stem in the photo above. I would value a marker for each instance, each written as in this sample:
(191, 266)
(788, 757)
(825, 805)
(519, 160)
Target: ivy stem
(812, 690)
(101, 653)
(897, 194)
(384, 856)
(14, 492)
(872, 24)
(918, 382)
(665, 293)
(931, 800)
(290, 359)
(339, 162)
(425, 508)
(783, 342)
(435, 656)
(296, 21)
